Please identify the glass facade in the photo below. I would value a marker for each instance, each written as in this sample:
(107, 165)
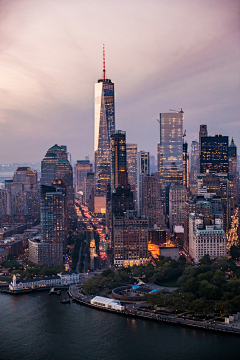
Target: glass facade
(194, 161)
(119, 160)
(104, 125)
(131, 150)
(214, 154)
(171, 150)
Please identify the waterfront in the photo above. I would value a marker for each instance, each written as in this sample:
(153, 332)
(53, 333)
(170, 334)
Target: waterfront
(37, 326)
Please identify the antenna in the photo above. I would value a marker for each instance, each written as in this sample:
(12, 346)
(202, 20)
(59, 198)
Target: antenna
(104, 71)
(195, 137)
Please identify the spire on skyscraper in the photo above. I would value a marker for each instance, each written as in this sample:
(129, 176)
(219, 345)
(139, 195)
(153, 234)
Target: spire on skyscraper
(104, 70)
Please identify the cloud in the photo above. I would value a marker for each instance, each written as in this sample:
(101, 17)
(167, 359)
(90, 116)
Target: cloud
(160, 54)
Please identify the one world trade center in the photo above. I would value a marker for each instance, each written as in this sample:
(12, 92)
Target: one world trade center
(104, 126)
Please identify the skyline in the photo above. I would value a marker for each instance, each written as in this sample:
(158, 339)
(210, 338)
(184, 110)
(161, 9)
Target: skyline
(193, 64)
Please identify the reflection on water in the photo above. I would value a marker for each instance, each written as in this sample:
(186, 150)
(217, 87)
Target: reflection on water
(37, 326)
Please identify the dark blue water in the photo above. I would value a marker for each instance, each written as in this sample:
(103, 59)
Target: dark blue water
(37, 326)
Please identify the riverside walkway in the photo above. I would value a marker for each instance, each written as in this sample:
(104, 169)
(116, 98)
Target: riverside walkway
(173, 319)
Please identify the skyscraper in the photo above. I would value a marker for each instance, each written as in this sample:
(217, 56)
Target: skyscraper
(143, 168)
(202, 132)
(171, 150)
(214, 154)
(232, 175)
(185, 166)
(194, 162)
(55, 153)
(82, 168)
(64, 172)
(152, 207)
(131, 150)
(119, 175)
(104, 127)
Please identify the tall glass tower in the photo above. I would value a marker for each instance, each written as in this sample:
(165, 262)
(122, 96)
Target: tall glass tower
(171, 150)
(104, 125)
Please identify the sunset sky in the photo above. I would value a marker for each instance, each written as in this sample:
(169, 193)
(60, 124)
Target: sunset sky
(160, 54)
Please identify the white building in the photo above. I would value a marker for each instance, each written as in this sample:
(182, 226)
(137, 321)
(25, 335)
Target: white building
(63, 278)
(177, 198)
(107, 303)
(209, 239)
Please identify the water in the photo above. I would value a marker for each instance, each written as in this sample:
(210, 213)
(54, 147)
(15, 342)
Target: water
(37, 326)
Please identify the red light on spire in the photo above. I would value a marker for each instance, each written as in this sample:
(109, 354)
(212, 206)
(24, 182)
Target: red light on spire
(104, 71)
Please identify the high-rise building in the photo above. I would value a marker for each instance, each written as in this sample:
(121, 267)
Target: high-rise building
(211, 183)
(130, 239)
(171, 150)
(194, 165)
(232, 175)
(207, 204)
(177, 199)
(64, 172)
(131, 150)
(143, 168)
(153, 166)
(186, 166)
(88, 193)
(104, 127)
(23, 194)
(55, 153)
(158, 157)
(151, 204)
(50, 248)
(119, 174)
(202, 132)
(214, 154)
(82, 168)
(206, 239)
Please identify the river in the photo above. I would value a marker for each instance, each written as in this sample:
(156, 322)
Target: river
(37, 326)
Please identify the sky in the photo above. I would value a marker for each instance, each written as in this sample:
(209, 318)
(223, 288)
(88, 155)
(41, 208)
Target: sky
(161, 55)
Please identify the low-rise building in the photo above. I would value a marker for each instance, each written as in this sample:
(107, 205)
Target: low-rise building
(63, 278)
(107, 303)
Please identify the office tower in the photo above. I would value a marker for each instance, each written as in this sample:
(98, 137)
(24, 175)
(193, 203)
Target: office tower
(232, 175)
(119, 175)
(153, 167)
(185, 166)
(211, 183)
(104, 127)
(206, 239)
(130, 239)
(122, 200)
(23, 194)
(3, 203)
(151, 204)
(50, 249)
(55, 153)
(88, 193)
(202, 132)
(82, 168)
(158, 157)
(64, 172)
(194, 165)
(214, 154)
(131, 150)
(177, 199)
(171, 150)
(143, 168)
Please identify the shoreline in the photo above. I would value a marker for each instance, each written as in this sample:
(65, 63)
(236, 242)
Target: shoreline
(156, 317)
